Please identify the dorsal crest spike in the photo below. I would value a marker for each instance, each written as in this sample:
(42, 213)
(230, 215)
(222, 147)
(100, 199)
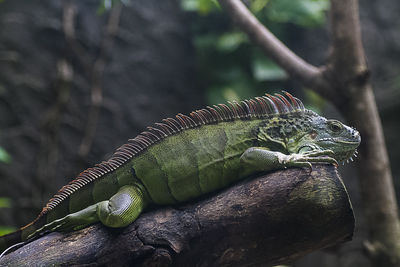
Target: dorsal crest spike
(259, 107)
(257, 110)
(240, 110)
(292, 100)
(220, 111)
(151, 136)
(234, 110)
(263, 105)
(189, 120)
(287, 103)
(280, 105)
(142, 138)
(252, 110)
(215, 113)
(165, 127)
(196, 117)
(172, 123)
(245, 108)
(227, 111)
(160, 132)
(202, 116)
(182, 121)
(301, 106)
(208, 115)
(274, 109)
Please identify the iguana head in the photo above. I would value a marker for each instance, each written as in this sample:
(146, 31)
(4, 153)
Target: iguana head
(322, 133)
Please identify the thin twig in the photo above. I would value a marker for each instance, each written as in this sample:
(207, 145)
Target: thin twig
(93, 71)
(79, 53)
(48, 154)
(96, 80)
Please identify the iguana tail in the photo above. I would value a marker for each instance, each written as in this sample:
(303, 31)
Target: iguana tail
(22, 234)
(10, 239)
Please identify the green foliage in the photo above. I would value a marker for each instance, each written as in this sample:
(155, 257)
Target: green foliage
(4, 156)
(230, 41)
(265, 69)
(201, 6)
(106, 5)
(6, 230)
(5, 203)
(306, 13)
(231, 67)
(257, 5)
(314, 100)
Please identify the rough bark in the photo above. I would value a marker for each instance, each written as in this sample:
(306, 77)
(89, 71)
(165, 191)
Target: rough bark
(267, 220)
(344, 81)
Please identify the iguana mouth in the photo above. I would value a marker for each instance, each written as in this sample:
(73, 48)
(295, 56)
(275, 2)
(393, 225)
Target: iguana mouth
(347, 142)
(348, 148)
(350, 158)
(338, 140)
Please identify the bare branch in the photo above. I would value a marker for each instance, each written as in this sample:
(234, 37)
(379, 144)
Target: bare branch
(349, 77)
(94, 71)
(348, 58)
(281, 54)
(344, 80)
(269, 220)
(376, 184)
(68, 22)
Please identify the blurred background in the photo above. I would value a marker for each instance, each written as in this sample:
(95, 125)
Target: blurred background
(79, 78)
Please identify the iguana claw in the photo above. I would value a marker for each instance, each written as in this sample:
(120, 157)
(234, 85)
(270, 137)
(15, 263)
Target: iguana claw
(305, 159)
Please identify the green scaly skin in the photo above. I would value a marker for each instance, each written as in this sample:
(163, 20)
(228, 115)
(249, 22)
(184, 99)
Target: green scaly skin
(196, 161)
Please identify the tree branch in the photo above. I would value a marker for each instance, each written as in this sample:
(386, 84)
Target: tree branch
(348, 58)
(350, 73)
(281, 54)
(344, 81)
(269, 220)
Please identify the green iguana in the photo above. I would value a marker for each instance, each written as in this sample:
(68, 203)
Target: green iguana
(184, 157)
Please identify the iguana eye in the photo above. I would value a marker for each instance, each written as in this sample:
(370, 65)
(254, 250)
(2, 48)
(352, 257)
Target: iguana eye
(335, 126)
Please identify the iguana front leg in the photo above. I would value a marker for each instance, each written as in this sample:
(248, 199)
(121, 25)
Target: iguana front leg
(258, 159)
(119, 211)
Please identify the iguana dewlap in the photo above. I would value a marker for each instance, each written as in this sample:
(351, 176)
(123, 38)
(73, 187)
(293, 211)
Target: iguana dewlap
(184, 157)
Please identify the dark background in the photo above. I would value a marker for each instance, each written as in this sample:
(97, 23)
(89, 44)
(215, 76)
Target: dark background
(67, 101)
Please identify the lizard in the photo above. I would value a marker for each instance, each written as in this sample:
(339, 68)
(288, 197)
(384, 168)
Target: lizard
(185, 157)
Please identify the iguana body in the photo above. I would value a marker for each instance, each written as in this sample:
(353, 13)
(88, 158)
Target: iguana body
(183, 158)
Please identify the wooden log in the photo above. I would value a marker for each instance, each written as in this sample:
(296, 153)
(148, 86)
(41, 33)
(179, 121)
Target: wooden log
(266, 220)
